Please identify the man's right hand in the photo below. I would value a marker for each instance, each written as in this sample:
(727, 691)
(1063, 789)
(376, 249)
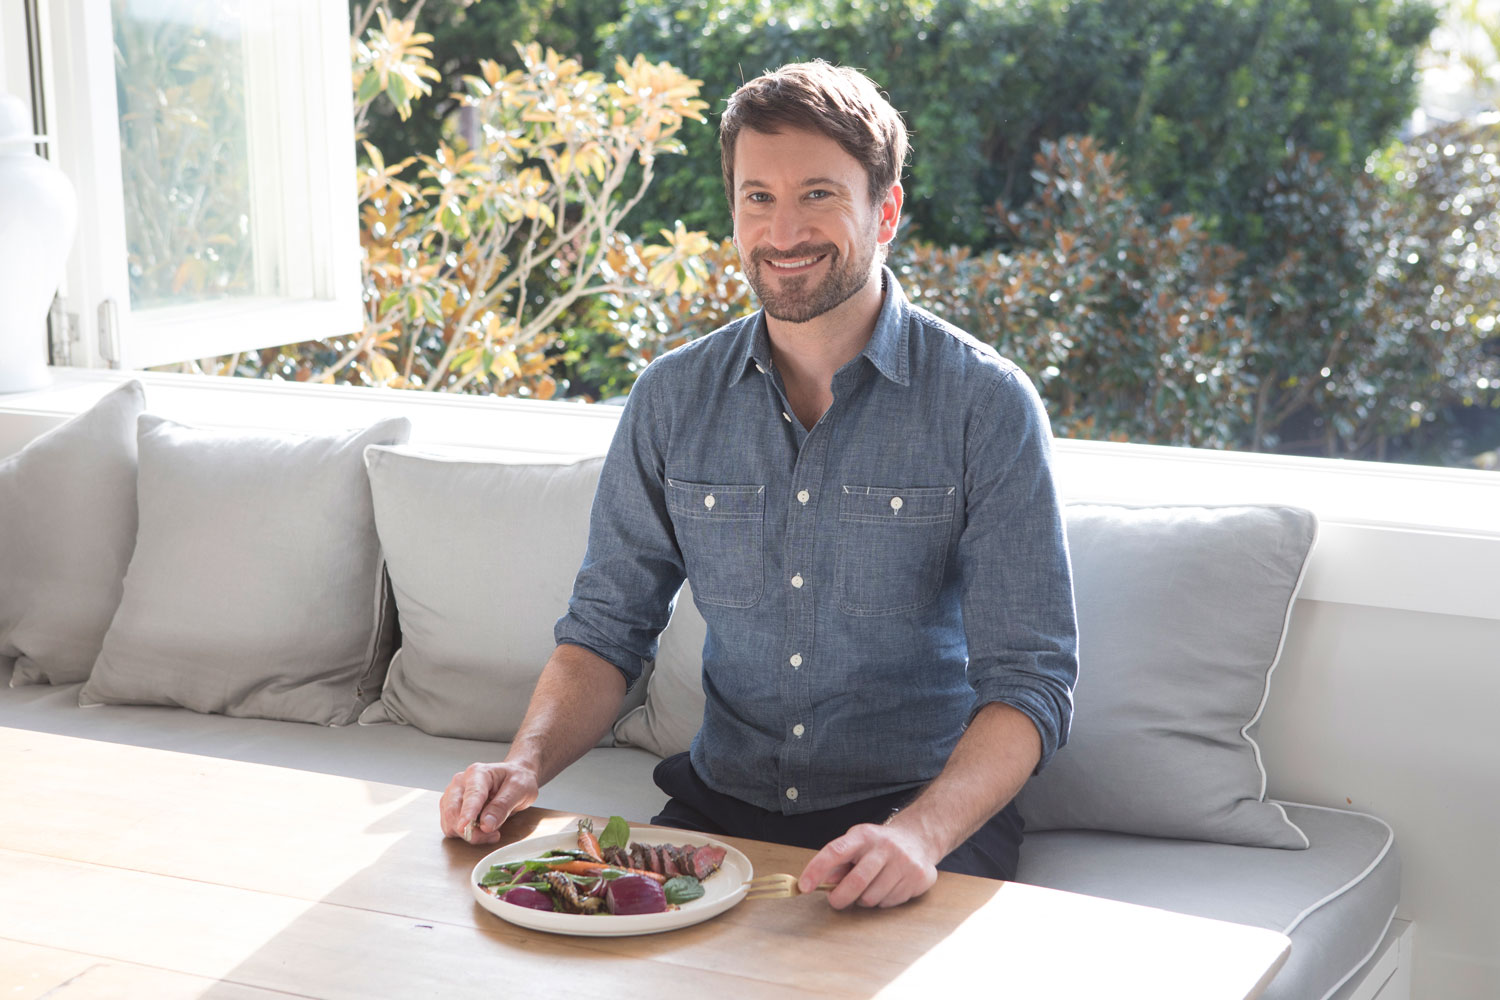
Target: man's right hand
(485, 795)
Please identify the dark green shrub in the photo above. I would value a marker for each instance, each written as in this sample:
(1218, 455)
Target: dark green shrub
(1120, 313)
(1366, 325)
(1203, 96)
(1374, 297)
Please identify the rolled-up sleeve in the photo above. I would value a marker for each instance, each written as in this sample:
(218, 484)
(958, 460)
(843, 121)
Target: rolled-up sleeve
(1018, 610)
(632, 568)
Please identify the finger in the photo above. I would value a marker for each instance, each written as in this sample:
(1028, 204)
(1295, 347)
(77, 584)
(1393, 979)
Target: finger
(859, 879)
(832, 862)
(448, 806)
(477, 791)
(888, 888)
(515, 792)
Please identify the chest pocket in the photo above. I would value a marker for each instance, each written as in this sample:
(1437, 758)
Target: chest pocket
(892, 547)
(721, 531)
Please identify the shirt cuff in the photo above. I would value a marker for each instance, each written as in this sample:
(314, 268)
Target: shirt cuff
(1049, 710)
(574, 631)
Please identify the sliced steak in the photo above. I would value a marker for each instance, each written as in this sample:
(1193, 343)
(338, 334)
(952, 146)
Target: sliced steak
(706, 861)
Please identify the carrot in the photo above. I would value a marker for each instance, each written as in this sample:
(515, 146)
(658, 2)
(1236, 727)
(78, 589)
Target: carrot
(595, 867)
(587, 842)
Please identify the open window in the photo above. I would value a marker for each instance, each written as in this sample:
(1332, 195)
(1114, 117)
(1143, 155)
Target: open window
(211, 143)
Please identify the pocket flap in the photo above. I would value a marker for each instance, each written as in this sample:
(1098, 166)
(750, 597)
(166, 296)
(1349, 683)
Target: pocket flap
(917, 504)
(714, 500)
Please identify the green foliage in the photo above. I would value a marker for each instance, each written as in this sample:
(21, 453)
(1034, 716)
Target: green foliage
(1203, 96)
(474, 257)
(464, 32)
(1374, 296)
(1365, 325)
(183, 155)
(1120, 312)
(617, 335)
(1185, 218)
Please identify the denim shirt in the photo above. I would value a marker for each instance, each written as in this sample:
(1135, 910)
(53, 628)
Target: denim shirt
(868, 584)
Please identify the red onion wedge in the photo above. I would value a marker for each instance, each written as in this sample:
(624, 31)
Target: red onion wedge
(630, 894)
(524, 895)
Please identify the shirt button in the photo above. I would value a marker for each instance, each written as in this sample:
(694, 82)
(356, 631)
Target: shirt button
(797, 580)
(896, 503)
(797, 730)
(759, 368)
(708, 501)
(803, 496)
(791, 793)
(785, 416)
(796, 660)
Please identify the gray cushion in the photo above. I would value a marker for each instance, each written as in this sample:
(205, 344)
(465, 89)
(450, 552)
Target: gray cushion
(1181, 616)
(256, 587)
(67, 528)
(482, 557)
(606, 781)
(1334, 899)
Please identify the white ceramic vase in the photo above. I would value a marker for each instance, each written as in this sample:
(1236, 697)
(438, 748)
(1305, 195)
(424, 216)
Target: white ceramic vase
(38, 212)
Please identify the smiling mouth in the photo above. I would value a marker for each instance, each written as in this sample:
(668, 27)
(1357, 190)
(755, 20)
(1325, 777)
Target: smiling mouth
(794, 265)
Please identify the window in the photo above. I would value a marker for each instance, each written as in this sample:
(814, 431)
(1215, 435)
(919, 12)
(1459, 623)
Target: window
(211, 143)
(1373, 336)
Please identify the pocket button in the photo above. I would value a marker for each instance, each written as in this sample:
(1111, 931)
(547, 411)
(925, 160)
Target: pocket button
(896, 503)
(708, 501)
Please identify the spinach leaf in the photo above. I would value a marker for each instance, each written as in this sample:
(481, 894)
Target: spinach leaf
(616, 833)
(496, 875)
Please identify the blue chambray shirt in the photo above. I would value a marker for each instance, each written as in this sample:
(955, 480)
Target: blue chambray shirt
(867, 584)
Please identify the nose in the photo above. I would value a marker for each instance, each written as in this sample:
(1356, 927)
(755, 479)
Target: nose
(787, 226)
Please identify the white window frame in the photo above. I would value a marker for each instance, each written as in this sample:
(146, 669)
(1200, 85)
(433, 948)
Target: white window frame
(301, 139)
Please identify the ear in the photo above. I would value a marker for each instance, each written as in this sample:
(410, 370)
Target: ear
(889, 214)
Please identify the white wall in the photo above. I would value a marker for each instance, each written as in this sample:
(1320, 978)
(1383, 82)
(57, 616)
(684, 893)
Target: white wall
(1393, 713)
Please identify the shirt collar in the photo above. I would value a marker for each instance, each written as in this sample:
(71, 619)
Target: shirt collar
(887, 349)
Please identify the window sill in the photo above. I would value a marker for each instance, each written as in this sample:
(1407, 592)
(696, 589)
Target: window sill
(1391, 536)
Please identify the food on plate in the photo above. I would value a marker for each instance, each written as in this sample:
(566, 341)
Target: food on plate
(606, 874)
(631, 894)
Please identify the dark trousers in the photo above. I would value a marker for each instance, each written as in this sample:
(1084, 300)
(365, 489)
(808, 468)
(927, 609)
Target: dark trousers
(992, 852)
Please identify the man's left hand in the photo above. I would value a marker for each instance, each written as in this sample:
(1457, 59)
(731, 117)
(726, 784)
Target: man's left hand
(874, 866)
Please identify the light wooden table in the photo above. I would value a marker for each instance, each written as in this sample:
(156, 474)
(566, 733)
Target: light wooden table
(128, 872)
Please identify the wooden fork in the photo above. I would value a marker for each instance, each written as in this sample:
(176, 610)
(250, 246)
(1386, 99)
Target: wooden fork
(778, 886)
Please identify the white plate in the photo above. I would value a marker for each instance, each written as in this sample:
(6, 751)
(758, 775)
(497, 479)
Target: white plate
(721, 890)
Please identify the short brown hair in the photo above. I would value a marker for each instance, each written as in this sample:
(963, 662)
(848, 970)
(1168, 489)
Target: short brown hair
(840, 102)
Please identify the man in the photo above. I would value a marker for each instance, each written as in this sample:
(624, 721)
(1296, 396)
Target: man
(861, 497)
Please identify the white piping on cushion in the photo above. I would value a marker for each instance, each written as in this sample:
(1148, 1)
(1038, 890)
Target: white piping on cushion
(1265, 694)
(1390, 838)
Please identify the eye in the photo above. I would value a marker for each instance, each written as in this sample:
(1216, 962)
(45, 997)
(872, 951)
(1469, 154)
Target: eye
(757, 197)
(818, 194)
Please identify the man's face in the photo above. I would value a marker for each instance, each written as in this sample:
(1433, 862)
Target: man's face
(803, 223)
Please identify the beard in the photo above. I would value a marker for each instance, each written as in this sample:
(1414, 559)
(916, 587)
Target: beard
(797, 299)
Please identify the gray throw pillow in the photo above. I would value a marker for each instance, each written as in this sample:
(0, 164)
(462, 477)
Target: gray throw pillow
(1181, 617)
(256, 588)
(482, 556)
(67, 527)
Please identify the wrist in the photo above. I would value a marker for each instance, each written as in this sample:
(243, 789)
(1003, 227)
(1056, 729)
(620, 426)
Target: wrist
(930, 837)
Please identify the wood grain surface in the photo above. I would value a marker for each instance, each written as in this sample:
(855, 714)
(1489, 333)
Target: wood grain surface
(127, 871)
